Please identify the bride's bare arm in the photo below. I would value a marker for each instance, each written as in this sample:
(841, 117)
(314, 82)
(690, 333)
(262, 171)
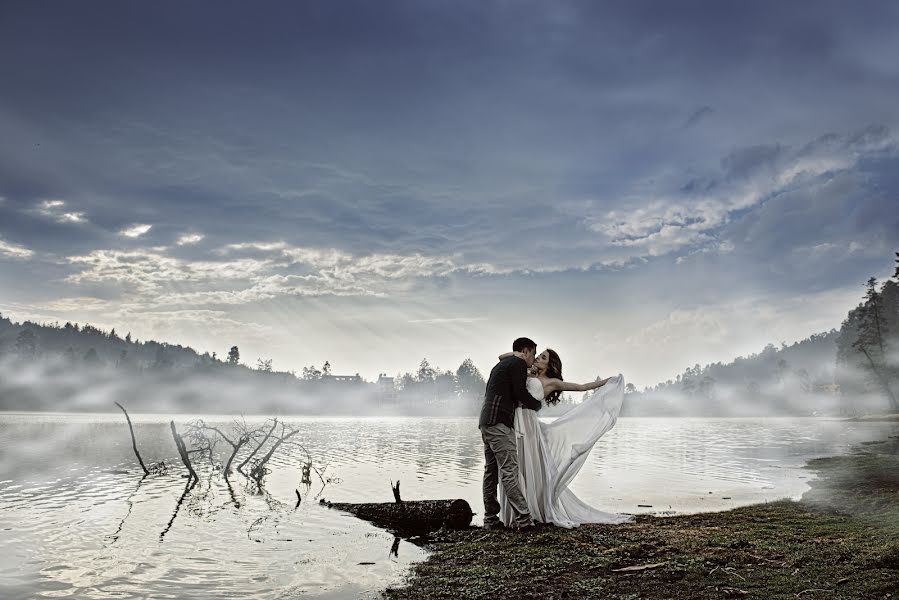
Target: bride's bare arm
(566, 386)
(506, 355)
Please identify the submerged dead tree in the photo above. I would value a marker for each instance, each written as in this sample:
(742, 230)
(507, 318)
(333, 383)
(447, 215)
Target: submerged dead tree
(259, 470)
(200, 431)
(241, 466)
(182, 451)
(133, 440)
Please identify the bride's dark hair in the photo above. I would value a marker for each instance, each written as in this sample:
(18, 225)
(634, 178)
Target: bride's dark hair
(554, 371)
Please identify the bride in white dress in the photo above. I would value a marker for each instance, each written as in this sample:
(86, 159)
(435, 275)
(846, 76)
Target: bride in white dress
(551, 454)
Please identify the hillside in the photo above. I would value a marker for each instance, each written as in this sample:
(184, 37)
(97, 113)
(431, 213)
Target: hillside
(794, 379)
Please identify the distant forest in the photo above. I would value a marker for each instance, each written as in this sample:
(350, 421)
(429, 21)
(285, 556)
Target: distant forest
(56, 367)
(82, 367)
(850, 371)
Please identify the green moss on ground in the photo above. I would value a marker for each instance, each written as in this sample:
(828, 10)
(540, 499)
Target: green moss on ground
(840, 541)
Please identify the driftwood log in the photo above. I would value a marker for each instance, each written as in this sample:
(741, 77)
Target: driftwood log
(411, 516)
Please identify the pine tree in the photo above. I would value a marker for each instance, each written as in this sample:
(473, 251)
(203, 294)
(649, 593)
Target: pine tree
(426, 373)
(233, 356)
(872, 329)
(469, 380)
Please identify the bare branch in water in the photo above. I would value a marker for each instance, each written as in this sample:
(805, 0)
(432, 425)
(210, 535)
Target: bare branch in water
(182, 450)
(261, 444)
(200, 433)
(259, 470)
(133, 440)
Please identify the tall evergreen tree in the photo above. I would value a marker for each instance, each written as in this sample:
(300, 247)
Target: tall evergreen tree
(469, 380)
(233, 356)
(872, 330)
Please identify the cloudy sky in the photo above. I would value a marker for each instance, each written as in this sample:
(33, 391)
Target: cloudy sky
(640, 185)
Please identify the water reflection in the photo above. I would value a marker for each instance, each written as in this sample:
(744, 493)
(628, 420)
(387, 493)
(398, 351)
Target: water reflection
(78, 520)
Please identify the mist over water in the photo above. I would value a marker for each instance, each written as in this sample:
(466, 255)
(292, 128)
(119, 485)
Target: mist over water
(52, 384)
(77, 521)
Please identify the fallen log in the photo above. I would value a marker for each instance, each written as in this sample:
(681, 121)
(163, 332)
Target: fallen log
(410, 516)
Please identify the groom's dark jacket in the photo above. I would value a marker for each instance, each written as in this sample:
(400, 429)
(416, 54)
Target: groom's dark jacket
(506, 389)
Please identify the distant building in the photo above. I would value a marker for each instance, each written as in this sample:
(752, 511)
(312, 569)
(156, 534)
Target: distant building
(386, 390)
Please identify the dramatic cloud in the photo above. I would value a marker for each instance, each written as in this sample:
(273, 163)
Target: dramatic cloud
(749, 177)
(55, 209)
(190, 238)
(135, 231)
(276, 269)
(14, 250)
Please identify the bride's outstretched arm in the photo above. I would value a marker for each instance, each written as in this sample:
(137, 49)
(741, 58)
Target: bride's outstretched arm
(567, 386)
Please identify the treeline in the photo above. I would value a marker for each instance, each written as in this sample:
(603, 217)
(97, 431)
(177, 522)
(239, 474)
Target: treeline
(64, 366)
(849, 371)
(433, 385)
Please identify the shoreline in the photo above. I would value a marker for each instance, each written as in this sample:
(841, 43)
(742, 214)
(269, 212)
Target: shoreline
(891, 417)
(841, 539)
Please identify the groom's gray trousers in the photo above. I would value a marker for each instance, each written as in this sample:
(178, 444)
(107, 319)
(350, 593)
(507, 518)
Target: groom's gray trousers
(501, 454)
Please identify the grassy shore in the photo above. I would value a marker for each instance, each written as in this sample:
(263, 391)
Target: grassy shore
(840, 541)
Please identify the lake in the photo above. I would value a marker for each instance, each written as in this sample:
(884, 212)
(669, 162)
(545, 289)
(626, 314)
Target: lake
(78, 521)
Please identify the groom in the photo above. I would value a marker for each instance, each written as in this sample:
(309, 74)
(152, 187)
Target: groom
(506, 389)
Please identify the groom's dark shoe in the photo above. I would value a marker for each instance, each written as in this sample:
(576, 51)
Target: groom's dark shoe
(535, 526)
(494, 525)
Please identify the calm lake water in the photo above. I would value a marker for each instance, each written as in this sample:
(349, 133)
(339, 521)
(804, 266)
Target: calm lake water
(77, 521)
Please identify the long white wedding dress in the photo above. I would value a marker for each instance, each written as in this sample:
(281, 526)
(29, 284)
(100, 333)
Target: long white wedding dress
(551, 454)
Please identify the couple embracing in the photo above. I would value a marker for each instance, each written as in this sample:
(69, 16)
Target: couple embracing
(533, 462)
